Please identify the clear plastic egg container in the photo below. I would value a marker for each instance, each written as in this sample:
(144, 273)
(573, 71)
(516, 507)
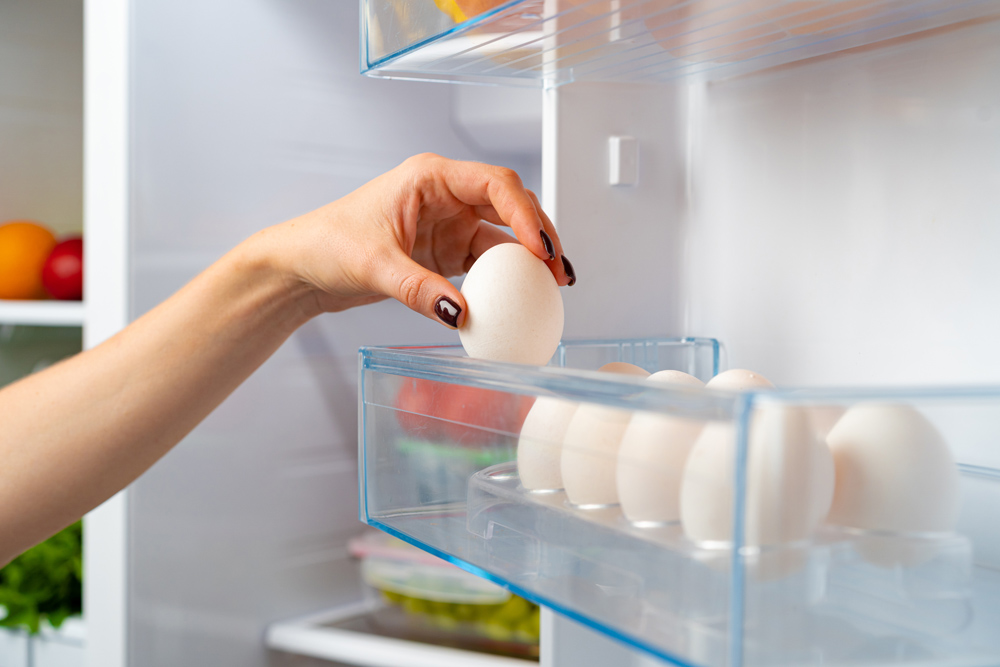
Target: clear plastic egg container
(756, 527)
(552, 42)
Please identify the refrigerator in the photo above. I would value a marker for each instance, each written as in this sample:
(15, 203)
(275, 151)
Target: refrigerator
(807, 189)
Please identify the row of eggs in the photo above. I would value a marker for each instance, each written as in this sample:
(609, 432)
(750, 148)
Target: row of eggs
(873, 467)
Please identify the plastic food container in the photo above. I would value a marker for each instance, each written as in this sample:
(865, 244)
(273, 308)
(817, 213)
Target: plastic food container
(443, 603)
(904, 572)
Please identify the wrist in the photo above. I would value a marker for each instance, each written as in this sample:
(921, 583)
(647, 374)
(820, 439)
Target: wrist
(264, 264)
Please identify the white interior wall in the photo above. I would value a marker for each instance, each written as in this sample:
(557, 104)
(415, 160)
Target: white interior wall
(246, 113)
(41, 112)
(843, 223)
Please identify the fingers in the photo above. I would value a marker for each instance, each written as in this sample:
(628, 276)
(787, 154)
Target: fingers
(485, 238)
(561, 267)
(483, 185)
(420, 289)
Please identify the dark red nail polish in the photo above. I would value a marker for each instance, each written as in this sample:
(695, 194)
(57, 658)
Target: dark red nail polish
(547, 242)
(568, 268)
(447, 311)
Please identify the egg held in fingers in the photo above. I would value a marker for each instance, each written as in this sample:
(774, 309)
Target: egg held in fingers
(515, 310)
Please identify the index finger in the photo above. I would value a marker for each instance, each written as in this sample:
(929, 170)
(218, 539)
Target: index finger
(478, 184)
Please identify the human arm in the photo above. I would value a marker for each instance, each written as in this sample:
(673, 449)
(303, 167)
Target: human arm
(76, 433)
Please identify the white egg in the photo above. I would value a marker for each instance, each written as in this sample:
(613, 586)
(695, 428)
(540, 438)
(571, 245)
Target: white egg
(823, 418)
(590, 447)
(539, 449)
(789, 480)
(739, 379)
(623, 368)
(515, 310)
(651, 458)
(895, 473)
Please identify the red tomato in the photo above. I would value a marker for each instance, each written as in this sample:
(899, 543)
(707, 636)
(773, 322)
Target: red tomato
(62, 274)
(438, 411)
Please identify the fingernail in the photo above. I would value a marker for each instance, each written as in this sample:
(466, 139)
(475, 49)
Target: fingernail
(547, 242)
(568, 268)
(447, 311)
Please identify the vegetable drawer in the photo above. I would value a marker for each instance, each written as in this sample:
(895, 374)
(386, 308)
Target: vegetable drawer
(707, 527)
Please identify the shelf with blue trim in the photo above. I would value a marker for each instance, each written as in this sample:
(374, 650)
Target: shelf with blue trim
(770, 575)
(547, 43)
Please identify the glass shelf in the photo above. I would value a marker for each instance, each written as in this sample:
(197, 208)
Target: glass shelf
(766, 575)
(552, 42)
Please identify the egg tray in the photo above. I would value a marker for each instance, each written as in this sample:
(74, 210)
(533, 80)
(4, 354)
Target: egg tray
(822, 601)
(685, 588)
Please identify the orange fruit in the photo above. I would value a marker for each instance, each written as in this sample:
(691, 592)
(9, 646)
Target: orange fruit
(24, 247)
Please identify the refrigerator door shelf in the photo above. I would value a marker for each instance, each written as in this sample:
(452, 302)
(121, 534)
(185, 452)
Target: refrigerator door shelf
(913, 589)
(551, 42)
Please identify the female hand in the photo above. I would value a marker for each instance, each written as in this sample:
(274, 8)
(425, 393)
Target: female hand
(402, 234)
(76, 433)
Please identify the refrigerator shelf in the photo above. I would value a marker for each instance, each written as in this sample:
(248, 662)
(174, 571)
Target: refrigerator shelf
(548, 43)
(42, 313)
(368, 634)
(922, 591)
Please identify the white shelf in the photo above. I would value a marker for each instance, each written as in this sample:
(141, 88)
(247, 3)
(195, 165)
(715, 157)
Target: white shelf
(312, 636)
(42, 313)
(65, 647)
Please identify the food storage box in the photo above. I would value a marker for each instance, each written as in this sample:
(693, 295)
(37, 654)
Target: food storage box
(779, 526)
(441, 603)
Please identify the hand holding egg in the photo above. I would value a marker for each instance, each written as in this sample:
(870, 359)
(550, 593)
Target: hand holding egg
(402, 234)
(515, 309)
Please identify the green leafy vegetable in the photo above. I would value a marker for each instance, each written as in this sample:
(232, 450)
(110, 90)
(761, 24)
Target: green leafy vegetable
(44, 583)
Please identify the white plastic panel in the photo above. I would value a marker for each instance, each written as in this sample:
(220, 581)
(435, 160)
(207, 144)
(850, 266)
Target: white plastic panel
(624, 242)
(843, 215)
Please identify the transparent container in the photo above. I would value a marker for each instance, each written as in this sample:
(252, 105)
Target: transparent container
(552, 42)
(434, 601)
(779, 527)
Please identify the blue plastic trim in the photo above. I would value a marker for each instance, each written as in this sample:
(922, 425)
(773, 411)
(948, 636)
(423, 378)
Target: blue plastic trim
(368, 65)
(744, 409)
(537, 599)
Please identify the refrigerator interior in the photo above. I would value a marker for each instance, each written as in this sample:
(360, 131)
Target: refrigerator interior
(41, 179)
(827, 217)
(245, 114)
(41, 113)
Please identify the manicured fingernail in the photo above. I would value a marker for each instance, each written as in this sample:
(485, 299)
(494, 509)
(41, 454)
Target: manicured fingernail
(568, 268)
(547, 242)
(447, 311)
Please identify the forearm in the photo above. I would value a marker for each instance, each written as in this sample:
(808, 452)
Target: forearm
(74, 434)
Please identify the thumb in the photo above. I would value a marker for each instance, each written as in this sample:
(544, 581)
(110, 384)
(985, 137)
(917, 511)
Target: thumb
(422, 290)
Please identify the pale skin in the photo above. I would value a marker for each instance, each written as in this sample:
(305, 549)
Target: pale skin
(78, 432)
